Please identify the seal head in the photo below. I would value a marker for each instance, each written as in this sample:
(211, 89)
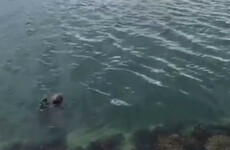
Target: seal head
(55, 101)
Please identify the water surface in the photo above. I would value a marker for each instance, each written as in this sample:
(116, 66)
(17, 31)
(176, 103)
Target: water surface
(123, 63)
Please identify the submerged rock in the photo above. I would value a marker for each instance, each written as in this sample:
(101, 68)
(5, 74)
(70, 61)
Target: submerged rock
(201, 133)
(83, 139)
(172, 142)
(219, 142)
(144, 140)
(113, 142)
(55, 144)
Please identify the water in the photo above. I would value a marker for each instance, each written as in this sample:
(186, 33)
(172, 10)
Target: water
(125, 64)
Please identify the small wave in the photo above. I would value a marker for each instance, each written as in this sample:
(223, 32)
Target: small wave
(94, 40)
(184, 92)
(99, 91)
(137, 53)
(123, 48)
(142, 76)
(115, 57)
(84, 56)
(62, 52)
(153, 69)
(119, 102)
(191, 77)
(216, 58)
(199, 68)
(166, 62)
(94, 89)
(172, 45)
(44, 62)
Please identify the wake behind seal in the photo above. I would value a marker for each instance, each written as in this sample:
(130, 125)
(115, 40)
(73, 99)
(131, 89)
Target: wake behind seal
(51, 117)
(51, 111)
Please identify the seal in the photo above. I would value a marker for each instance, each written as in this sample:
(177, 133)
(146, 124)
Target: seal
(54, 101)
(51, 118)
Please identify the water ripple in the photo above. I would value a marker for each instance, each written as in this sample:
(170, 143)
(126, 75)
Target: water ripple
(142, 76)
(137, 53)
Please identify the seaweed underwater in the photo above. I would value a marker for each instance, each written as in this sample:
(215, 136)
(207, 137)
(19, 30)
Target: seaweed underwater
(179, 137)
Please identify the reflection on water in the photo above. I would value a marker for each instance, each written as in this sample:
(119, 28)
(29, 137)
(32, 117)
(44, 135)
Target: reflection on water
(120, 64)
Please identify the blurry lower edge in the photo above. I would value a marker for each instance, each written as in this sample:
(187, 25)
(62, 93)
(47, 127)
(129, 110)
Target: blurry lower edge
(181, 136)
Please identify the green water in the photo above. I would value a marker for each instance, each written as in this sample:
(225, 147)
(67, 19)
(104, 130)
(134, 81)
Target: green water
(120, 64)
